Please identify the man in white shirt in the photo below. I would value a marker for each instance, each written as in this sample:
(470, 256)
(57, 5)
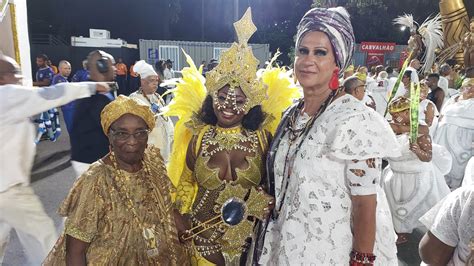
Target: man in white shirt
(20, 208)
(162, 135)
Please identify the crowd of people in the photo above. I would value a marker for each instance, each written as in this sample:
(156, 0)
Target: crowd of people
(338, 168)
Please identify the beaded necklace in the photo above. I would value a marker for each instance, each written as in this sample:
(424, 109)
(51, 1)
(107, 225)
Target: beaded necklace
(148, 231)
(155, 108)
(228, 139)
(296, 134)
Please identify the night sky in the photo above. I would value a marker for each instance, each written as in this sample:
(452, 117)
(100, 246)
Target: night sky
(146, 20)
(276, 20)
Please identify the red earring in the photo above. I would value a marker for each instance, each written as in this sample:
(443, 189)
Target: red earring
(334, 82)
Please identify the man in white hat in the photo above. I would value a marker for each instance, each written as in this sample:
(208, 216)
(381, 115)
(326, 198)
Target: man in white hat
(162, 135)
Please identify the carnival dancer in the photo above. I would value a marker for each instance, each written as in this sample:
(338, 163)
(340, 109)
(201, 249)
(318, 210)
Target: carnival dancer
(424, 40)
(221, 141)
(20, 208)
(456, 132)
(162, 135)
(325, 161)
(119, 212)
(411, 184)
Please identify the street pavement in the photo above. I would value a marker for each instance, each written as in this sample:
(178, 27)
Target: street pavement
(53, 176)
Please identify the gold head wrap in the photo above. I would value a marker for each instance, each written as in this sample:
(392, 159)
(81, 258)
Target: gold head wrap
(361, 76)
(468, 82)
(125, 105)
(349, 68)
(238, 66)
(398, 105)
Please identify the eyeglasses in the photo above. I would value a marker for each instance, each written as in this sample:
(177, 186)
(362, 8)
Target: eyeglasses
(123, 136)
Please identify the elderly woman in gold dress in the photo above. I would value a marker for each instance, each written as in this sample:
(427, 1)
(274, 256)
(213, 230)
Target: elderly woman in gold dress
(119, 211)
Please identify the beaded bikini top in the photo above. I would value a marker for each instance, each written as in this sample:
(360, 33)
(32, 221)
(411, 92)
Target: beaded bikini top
(208, 177)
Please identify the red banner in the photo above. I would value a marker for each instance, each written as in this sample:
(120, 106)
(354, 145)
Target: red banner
(381, 47)
(374, 59)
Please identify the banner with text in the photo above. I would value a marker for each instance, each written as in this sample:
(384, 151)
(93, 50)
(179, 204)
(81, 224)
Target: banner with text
(380, 47)
(375, 52)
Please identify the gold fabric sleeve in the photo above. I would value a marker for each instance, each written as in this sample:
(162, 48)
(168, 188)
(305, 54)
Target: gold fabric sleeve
(186, 191)
(83, 206)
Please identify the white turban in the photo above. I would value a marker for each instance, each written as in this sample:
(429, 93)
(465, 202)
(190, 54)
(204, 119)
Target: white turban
(144, 69)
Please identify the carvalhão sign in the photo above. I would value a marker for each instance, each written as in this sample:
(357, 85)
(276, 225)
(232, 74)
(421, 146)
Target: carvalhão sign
(377, 46)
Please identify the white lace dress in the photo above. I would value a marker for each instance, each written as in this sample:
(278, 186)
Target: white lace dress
(456, 132)
(314, 225)
(379, 91)
(413, 187)
(422, 116)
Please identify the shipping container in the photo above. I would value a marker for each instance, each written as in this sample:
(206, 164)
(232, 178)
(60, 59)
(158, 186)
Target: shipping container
(154, 50)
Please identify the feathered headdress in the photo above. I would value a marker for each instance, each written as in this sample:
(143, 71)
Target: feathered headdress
(431, 31)
(272, 88)
(406, 21)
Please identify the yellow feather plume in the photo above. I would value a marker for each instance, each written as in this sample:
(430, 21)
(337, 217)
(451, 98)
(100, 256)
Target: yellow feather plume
(281, 93)
(189, 95)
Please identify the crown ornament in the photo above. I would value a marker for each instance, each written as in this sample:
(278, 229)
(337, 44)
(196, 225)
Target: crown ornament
(398, 105)
(238, 66)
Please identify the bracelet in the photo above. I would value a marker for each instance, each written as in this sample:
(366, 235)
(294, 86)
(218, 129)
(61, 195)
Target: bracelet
(361, 259)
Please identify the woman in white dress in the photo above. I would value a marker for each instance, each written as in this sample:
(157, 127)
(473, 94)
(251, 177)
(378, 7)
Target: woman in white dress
(456, 132)
(324, 163)
(428, 114)
(162, 135)
(380, 92)
(411, 184)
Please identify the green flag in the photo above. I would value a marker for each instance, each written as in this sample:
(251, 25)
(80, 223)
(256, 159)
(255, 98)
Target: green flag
(397, 84)
(414, 111)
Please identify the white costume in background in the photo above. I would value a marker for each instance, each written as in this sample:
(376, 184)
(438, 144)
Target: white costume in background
(314, 226)
(414, 74)
(163, 134)
(412, 186)
(168, 73)
(469, 173)
(20, 208)
(379, 93)
(452, 220)
(443, 83)
(422, 116)
(456, 132)
(401, 91)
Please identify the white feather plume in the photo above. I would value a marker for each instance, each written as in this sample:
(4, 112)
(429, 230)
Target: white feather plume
(431, 32)
(405, 20)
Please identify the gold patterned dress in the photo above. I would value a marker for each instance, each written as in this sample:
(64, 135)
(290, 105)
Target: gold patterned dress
(199, 190)
(98, 214)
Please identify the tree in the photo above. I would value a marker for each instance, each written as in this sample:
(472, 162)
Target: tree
(372, 19)
(276, 21)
